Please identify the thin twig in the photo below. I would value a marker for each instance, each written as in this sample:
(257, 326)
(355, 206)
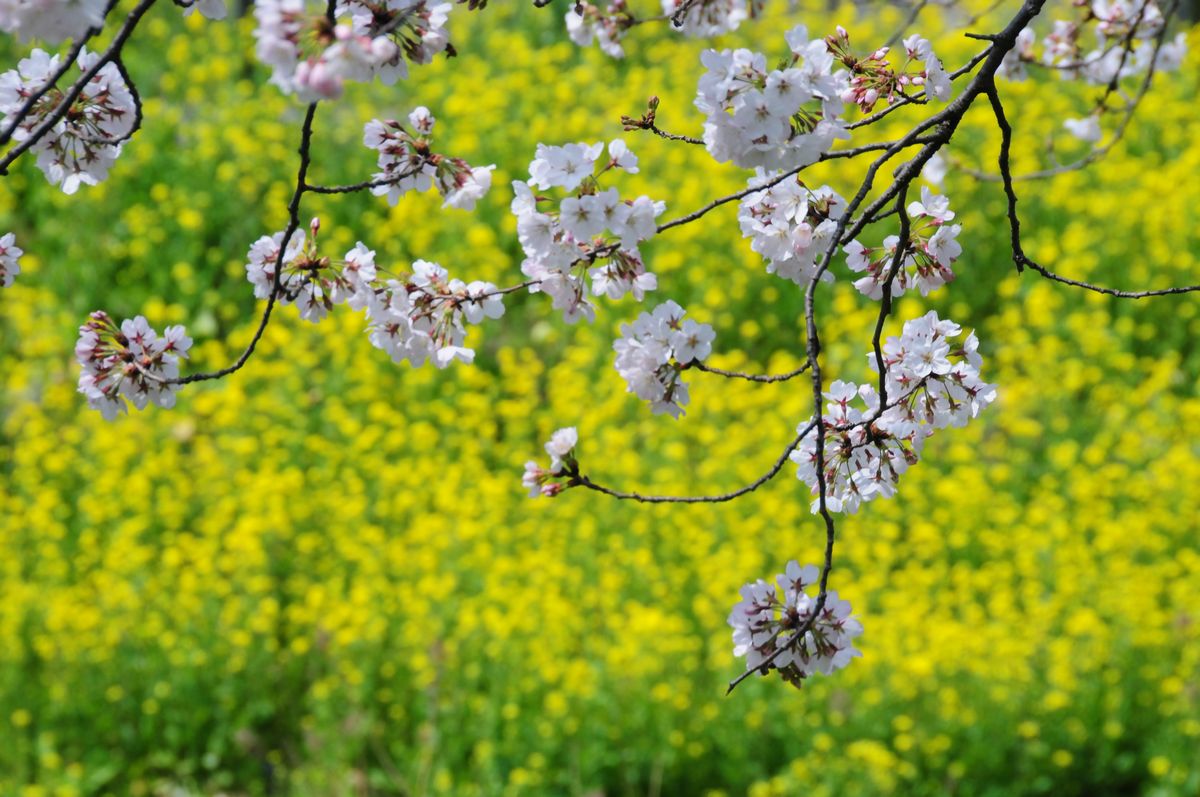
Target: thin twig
(580, 480)
(762, 378)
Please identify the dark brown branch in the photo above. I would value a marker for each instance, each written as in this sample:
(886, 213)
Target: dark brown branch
(277, 286)
(1014, 221)
(354, 187)
(885, 301)
(1048, 274)
(1021, 259)
(845, 153)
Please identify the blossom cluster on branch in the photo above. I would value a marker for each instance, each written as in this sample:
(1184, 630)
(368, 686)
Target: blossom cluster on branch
(416, 317)
(551, 481)
(590, 233)
(314, 56)
(407, 163)
(653, 351)
(931, 248)
(931, 382)
(783, 627)
(79, 146)
(51, 22)
(128, 364)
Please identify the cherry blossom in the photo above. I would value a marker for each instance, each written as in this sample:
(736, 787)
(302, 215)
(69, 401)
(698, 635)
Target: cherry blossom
(773, 119)
(81, 146)
(1086, 129)
(128, 363)
(931, 384)
(704, 18)
(10, 259)
(313, 59)
(653, 351)
(549, 482)
(592, 234)
(422, 316)
(406, 163)
(587, 22)
(51, 20)
(929, 252)
(791, 226)
(780, 627)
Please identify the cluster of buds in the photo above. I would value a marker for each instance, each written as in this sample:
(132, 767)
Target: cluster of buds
(314, 56)
(83, 144)
(774, 119)
(407, 163)
(931, 248)
(423, 315)
(654, 350)
(872, 77)
(563, 466)
(791, 226)
(51, 22)
(10, 259)
(930, 385)
(591, 232)
(130, 362)
(779, 627)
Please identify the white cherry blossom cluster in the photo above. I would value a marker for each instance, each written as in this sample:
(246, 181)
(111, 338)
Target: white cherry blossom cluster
(128, 363)
(423, 315)
(81, 146)
(931, 384)
(791, 225)
(370, 39)
(591, 232)
(653, 351)
(587, 23)
(872, 78)
(1114, 23)
(307, 279)
(607, 25)
(10, 259)
(551, 481)
(932, 247)
(406, 163)
(771, 617)
(772, 118)
(703, 18)
(51, 21)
